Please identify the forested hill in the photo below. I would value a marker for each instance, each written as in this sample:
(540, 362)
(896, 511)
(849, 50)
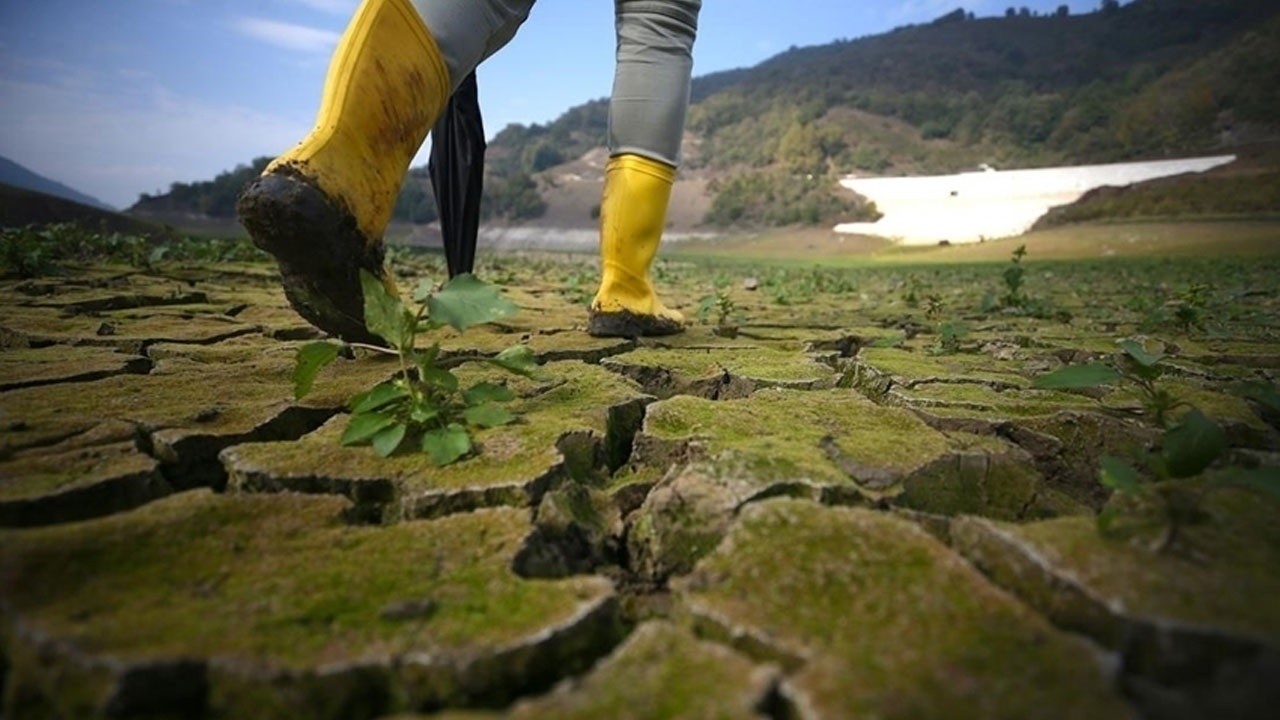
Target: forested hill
(1151, 78)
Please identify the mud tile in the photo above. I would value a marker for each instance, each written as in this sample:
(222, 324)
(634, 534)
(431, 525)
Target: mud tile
(77, 484)
(188, 411)
(662, 672)
(792, 435)
(1199, 617)
(272, 607)
(63, 363)
(721, 372)
(876, 618)
(127, 334)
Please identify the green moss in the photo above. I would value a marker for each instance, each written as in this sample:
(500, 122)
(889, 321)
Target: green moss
(181, 394)
(1238, 548)
(764, 366)
(661, 671)
(38, 475)
(62, 363)
(277, 580)
(913, 366)
(892, 624)
(961, 398)
(128, 334)
(991, 485)
(779, 433)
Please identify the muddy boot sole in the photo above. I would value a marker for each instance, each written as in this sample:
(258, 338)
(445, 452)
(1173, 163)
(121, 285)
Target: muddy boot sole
(626, 324)
(319, 250)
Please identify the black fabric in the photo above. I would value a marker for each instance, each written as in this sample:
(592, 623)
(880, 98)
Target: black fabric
(457, 174)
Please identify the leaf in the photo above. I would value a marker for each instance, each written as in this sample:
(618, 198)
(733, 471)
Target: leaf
(362, 427)
(382, 394)
(484, 392)
(1077, 376)
(423, 414)
(1265, 480)
(1140, 354)
(1193, 445)
(488, 415)
(423, 290)
(466, 300)
(517, 359)
(439, 377)
(384, 314)
(446, 444)
(1118, 475)
(310, 359)
(388, 439)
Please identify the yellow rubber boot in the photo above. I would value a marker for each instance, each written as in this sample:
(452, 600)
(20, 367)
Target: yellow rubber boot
(321, 207)
(632, 214)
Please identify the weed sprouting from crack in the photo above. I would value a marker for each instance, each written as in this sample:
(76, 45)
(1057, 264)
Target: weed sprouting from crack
(425, 402)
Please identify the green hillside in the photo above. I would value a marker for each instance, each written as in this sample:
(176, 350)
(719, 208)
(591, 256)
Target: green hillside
(1152, 78)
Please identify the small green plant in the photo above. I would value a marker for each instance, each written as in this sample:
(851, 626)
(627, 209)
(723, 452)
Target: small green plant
(35, 251)
(933, 306)
(1190, 307)
(1014, 278)
(23, 254)
(425, 403)
(723, 309)
(950, 335)
(1188, 447)
(579, 287)
(911, 295)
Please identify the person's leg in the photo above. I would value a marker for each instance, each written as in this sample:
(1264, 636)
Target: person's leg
(321, 207)
(646, 122)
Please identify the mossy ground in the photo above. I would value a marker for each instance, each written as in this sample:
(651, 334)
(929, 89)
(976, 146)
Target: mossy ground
(631, 461)
(890, 625)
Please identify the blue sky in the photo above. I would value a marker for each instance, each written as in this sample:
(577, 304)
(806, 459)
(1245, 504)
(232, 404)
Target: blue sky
(121, 97)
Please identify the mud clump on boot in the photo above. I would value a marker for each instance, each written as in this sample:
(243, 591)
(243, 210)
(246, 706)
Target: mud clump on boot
(625, 323)
(318, 247)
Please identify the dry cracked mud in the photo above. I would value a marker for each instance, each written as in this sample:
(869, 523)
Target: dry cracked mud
(829, 513)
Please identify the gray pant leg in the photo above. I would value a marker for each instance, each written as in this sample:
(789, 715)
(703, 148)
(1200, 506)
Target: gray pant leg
(468, 31)
(651, 80)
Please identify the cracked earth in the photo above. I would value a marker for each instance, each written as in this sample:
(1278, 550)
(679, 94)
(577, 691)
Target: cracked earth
(826, 515)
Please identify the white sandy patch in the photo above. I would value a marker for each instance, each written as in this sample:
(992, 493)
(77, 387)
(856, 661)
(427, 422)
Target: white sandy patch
(971, 206)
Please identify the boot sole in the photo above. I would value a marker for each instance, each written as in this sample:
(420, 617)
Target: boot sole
(319, 249)
(626, 324)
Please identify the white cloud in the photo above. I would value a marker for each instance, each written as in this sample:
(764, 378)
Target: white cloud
(289, 36)
(337, 7)
(114, 145)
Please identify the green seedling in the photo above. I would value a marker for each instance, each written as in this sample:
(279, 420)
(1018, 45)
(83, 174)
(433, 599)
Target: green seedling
(1136, 366)
(425, 403)
(1014, 278)
(911, 297)
(1190, 307)
(1188, 448)
(933, 306)
(725, 312)
(950, 334)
